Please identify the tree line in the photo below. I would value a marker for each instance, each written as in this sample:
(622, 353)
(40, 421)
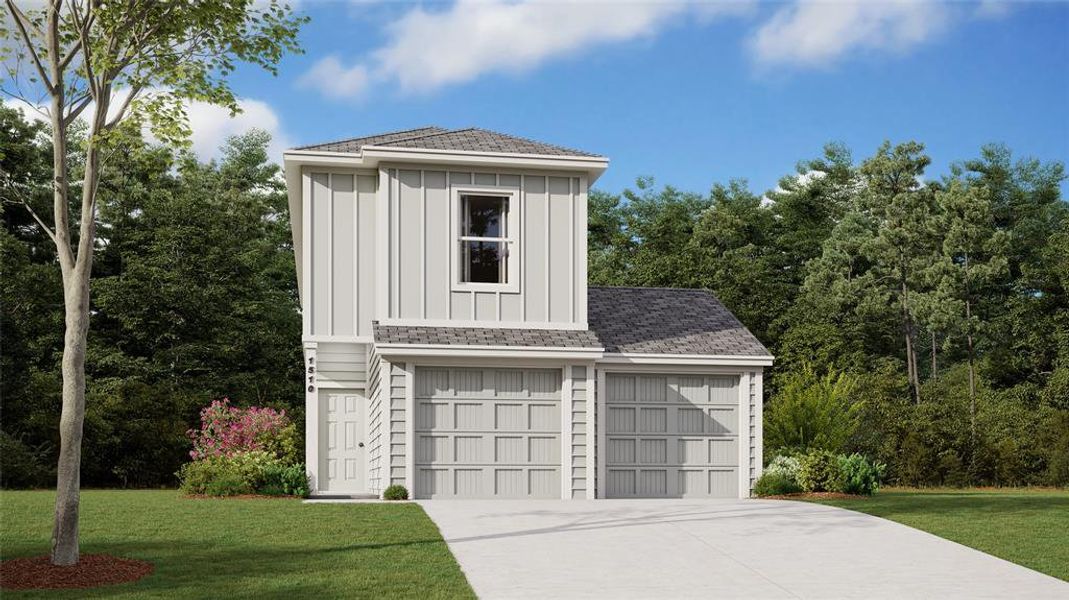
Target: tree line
(942, 300)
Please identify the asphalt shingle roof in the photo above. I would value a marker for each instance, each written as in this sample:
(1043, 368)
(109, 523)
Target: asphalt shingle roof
(667, 321)
(440, 138)
(627, 320)
(485, 336)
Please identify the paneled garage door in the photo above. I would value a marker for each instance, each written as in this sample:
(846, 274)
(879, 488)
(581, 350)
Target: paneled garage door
(672, 436)
(488, 433)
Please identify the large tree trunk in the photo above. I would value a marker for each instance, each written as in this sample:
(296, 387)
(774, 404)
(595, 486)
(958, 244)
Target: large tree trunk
(911, 350)
(68, 474)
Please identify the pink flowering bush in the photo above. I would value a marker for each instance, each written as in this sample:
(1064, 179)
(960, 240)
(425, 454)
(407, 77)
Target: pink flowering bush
(227, 430)
(252, 450)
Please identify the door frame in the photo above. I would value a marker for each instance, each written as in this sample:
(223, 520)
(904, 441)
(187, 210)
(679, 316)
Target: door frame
(743, 373)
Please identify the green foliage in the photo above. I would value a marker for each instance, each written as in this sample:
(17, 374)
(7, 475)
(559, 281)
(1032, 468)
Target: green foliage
(786, 466)
(860, 476)
(812, 412)
(820, 471)
(255, 471)
(395, 492)
(775, 484)
(22, 466)
(285, 480)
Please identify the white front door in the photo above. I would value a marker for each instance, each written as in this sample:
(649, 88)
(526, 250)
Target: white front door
(341, 446)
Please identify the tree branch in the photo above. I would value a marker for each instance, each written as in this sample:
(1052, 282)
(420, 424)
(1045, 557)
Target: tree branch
(21, 21)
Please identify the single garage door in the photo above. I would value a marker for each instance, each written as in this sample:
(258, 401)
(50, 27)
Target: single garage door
(488, 433)
(672, 436)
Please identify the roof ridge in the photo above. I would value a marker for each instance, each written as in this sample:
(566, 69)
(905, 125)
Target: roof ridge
(436, 133)
(384, 134)
(536, 142)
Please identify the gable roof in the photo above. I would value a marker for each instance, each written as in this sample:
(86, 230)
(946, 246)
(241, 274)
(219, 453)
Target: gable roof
(667, 321)
(622, 319)
(471, 139)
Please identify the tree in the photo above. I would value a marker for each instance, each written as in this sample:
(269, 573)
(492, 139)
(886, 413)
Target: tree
(124, 65)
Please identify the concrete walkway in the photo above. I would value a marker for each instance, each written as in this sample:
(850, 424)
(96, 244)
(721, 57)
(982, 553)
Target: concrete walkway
(714, 549)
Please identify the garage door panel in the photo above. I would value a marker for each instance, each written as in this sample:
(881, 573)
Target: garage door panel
(671, 435)
(501, 440)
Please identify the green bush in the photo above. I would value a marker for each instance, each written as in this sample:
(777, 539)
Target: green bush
(811, 412)
(775, 483)
(22, 466)
(256, 471)
(860, 476)
(786, 466)
(285, 480)
(819, 471)
(395, 492)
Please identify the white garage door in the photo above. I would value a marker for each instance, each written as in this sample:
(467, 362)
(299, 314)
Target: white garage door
(488, 433)
(672, 436)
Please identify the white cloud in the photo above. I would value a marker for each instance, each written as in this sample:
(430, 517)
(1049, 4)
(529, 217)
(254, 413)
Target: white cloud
(336, 80)
(819, 33)
(426, 50)
(210, 125)
(993, 9)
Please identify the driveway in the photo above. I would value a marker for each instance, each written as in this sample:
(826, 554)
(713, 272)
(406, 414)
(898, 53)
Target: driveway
(713, 549)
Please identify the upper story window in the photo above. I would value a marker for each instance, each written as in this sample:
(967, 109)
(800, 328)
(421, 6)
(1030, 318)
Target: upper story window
(486, 242)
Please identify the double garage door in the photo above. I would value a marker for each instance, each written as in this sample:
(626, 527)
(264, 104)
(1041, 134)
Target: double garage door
(488, 433)
(671, 436)
(496, 433)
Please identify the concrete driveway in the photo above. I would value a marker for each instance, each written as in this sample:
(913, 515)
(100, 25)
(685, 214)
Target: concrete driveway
(713, 549)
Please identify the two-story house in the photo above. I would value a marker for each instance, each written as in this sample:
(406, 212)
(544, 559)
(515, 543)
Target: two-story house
(452, 344)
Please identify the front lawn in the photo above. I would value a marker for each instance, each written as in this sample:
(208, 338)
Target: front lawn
(253, 548)
(1028, 527)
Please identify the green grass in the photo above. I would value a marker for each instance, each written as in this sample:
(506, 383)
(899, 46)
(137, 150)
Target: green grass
(1028, 527)
(256, 548)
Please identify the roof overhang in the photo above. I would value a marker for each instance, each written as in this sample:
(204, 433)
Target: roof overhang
(698, 360)
(390, 351)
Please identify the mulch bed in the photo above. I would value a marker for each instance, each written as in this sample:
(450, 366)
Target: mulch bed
(816, 495)
(92, 570)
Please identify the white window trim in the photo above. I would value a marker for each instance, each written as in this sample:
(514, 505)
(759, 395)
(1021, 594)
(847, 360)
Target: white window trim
(513, 240)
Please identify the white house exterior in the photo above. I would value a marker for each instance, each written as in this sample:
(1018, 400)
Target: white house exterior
(453, 346)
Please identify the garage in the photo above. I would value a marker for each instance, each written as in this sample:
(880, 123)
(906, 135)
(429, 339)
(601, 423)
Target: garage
(671, 435)
(487, 433)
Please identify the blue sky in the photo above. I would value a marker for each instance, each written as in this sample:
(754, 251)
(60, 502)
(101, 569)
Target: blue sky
(691, 94)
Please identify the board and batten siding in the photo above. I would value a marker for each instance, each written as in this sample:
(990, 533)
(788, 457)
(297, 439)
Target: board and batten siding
(339, 254)
(422, 211)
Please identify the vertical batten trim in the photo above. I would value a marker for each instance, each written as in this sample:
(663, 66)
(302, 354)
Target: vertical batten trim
(306, 247)
(356, 259)
(498, 295)
(410, 429)
(330, 253)
(311, 417)
(525, 290)
(602, 417)
(423, 246)
(571, 251)
(548, 253)
(382, 239)
(592, 429)
(566, 432)
(395, 244)
(744, 434)
(453, 223)
(581, 280)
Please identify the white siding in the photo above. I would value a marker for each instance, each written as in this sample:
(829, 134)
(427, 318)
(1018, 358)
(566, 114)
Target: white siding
(551, 243)
(339, 295)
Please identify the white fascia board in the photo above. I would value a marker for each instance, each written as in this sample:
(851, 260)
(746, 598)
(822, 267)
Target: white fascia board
(712, 360)
(293, 195)
(594, 167)
(448, 350)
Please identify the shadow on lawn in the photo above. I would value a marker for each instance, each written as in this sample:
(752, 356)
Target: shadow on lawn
(954, 502)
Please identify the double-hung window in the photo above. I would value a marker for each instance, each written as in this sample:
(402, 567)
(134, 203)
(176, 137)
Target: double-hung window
(486, 241)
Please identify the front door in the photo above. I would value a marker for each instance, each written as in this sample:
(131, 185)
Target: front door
(341, 443)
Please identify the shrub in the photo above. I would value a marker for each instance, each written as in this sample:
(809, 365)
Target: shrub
(395, 492)
(285, 480)
(819, 471)
(23, 466)
(775, 483)
(785, 466)
(226, 430)
(860, 476)
(812, 412)
(241, 473)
